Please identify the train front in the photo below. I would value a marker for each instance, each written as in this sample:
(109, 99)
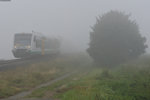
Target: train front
(22, 45)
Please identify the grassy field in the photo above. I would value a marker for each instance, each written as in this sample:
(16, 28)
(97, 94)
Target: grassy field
(129, 81)
(28, 77)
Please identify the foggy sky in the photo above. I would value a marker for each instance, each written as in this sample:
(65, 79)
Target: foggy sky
(69, 19)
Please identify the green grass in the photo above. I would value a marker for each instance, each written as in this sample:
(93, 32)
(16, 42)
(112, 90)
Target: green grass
(129, 81)
(122, 85)
(26, 78)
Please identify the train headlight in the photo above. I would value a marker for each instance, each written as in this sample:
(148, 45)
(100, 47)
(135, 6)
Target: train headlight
(29, 47)
(15, 47)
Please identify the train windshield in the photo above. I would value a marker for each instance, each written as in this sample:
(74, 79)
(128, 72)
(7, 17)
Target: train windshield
(23, 39)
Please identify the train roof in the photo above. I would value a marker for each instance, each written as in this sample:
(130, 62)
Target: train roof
(33, 33)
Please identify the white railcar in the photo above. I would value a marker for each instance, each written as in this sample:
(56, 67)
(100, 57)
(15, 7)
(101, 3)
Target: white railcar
(30, 44)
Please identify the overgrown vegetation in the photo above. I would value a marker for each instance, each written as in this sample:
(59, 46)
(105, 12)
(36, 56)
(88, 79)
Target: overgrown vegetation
(26, 78)
(126, 82)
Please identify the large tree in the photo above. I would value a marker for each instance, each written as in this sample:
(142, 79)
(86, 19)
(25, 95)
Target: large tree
(115, 39)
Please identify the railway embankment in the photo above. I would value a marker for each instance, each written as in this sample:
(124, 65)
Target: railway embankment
(75, 78)
(27, 77)
(14, 63)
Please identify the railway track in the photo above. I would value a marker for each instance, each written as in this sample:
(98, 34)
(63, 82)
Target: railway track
(11, 64)
(8, 61)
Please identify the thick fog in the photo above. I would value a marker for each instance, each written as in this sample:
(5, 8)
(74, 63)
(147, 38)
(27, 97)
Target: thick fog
(68, 19)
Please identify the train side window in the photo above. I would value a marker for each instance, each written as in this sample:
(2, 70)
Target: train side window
(38, 44)
(34, 39)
